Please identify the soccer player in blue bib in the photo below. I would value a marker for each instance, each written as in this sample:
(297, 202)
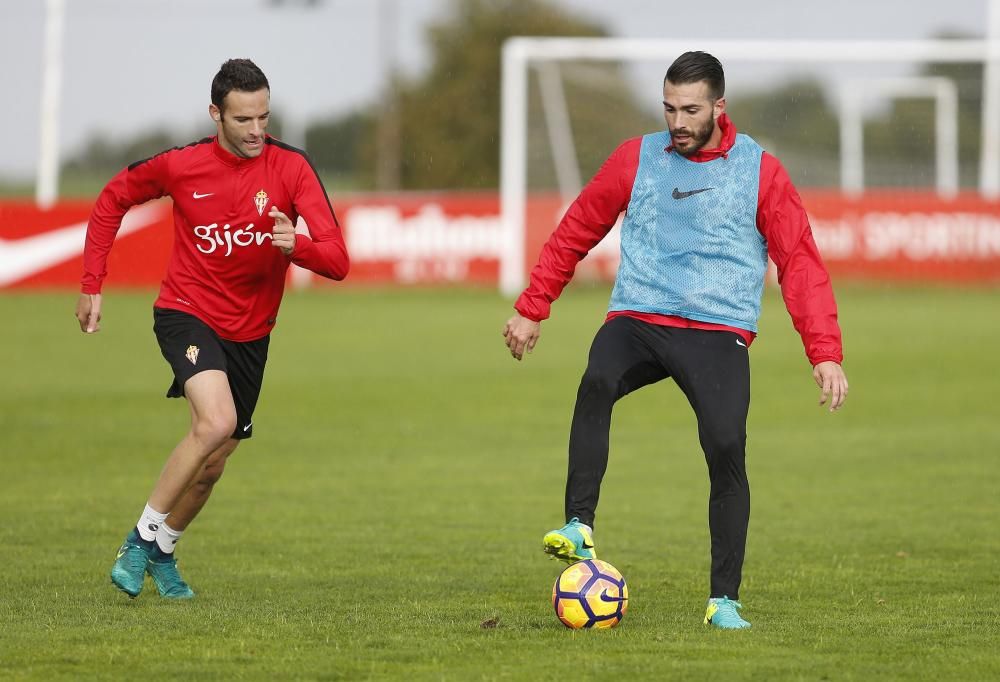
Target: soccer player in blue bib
(705, 207)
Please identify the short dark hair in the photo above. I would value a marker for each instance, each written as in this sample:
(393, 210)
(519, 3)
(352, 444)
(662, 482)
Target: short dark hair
(692, 67)
(237, 74)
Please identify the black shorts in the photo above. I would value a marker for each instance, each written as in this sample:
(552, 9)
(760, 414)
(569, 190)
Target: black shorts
(191, 346)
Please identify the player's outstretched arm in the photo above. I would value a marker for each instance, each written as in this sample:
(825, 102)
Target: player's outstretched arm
(88, 313)
(830, 377)
(521, 334)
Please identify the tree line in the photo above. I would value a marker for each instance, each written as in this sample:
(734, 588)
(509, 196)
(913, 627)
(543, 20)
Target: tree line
(446, 122)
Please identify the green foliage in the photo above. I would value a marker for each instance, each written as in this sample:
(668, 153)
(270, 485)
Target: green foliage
(450, 117)
(16, 188)
(104, 156)
(345, 146)
(796, 123)
(397, 486)
(603, 111)
(899, 146)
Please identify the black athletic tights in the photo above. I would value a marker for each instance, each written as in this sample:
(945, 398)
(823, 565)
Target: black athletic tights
(713, 370)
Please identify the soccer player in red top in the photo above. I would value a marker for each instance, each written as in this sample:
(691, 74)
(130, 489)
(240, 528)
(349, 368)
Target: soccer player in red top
(236, 199)
(704, 209)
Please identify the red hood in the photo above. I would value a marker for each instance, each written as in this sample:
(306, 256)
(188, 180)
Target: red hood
(727, 142)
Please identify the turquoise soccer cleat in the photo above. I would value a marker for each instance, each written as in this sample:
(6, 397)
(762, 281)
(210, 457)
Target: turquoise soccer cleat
(722, 613)
(162, 568)
(571, 543)
(129, 569)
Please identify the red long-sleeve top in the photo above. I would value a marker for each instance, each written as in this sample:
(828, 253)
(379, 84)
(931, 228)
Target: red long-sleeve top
(781, 219)
(223, 268)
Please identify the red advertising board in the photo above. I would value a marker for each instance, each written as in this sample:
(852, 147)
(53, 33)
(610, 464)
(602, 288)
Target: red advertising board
(455, 237)
(907, 236)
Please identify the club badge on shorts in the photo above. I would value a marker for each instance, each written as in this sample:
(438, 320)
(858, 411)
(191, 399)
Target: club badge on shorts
(260, 199)
(192, 354)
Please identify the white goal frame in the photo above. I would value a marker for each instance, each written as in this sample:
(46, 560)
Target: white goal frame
(522, 52)
(938, 88)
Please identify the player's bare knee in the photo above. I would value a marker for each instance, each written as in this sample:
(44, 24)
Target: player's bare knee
(214, 429)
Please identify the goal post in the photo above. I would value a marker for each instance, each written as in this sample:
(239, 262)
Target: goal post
(941, 90)
(521, 53)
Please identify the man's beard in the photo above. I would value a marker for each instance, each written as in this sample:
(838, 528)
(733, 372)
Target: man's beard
(698, 137)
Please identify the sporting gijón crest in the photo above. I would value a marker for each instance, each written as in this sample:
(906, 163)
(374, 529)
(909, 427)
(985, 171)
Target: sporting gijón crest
(260, 201)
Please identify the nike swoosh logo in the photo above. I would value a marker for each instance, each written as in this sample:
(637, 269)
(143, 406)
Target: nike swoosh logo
(21, 258)
(121, 553)
(202, 196)
(587, 545)
(739, 342)
(606, 597)
(677, 194)
(247, 427)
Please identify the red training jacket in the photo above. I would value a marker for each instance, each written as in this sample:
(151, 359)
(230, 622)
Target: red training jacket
(781, 219)
(223, 268)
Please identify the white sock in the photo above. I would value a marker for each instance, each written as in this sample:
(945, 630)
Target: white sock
(167, 538)
(149, 523)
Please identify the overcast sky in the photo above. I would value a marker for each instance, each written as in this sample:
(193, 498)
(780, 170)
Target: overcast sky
(131, 65)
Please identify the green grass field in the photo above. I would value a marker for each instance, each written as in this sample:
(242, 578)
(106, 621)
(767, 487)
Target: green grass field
(404, 469)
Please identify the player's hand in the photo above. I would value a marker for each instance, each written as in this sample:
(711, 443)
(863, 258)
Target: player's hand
(283, 233)
(521, 334)
(830, 377)
(88, 313)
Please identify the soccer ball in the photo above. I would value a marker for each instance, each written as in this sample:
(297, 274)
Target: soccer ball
(590, 594)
